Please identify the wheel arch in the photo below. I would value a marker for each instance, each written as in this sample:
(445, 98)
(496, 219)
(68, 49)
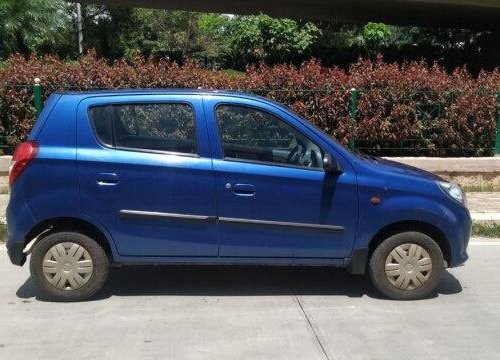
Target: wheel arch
(411, 225)
(361, 257)
(59, 224)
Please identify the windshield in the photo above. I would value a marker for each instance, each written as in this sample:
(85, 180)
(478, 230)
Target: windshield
(293, 112)
(356, 152)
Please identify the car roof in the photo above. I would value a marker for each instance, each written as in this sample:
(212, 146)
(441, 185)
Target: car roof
(158, 91)
(241, 94)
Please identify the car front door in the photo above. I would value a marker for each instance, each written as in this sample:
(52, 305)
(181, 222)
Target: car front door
(145, 173)
(274, 199)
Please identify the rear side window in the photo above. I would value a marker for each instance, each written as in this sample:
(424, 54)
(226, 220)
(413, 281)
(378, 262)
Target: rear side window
(157, 127)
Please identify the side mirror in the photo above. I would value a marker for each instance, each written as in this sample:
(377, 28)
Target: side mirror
(331, 165)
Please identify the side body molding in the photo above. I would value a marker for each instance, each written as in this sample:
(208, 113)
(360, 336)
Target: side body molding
(153, 214)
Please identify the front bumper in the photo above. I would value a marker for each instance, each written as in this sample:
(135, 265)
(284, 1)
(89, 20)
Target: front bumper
(458, 224)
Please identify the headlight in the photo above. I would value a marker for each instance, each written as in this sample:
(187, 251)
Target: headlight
(453, 191)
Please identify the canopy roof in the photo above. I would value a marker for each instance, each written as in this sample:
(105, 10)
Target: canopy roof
(481, 14)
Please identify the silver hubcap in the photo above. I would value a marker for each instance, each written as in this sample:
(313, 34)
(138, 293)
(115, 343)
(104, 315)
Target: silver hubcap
(408, 266)
(67, 266)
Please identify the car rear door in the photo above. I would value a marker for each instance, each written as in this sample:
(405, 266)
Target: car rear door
(146, 175)
(269, 203)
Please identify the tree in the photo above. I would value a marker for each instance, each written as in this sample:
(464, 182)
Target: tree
(227, 41)
(246, 39)
(28, 25)
(162, 33)
(107, 30)
(117, 32)
(449, 47)
(375, 36)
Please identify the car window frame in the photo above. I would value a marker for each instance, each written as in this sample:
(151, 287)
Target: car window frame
(221, 147)
(150, 151)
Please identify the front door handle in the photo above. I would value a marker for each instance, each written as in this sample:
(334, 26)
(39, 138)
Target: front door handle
(107, 179)
(244, 189)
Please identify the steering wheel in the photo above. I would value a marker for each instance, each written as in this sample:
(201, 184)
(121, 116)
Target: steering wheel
(295, 155)
(311, 157)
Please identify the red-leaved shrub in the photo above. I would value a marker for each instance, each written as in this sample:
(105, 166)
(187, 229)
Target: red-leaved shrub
(409, 109)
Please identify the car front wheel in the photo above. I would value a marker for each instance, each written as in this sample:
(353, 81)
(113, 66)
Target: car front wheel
(68, 266)
(407, 266)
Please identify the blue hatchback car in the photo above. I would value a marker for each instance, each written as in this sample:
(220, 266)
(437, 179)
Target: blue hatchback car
(209, 177)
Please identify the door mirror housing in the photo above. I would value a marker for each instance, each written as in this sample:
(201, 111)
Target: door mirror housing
(331, 165)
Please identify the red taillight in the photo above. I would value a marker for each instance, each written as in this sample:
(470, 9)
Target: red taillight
(24, 153)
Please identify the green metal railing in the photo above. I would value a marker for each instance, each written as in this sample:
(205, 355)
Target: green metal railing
(37, 96)
(429, 109)
(353, 99)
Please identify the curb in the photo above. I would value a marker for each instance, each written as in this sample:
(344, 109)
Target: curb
(488, 166)
(5, 161)
(478, 165)
(485, 217)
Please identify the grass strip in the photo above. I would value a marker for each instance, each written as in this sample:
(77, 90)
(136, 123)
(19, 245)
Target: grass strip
(486, 229)
(3, 232)
(481, 187)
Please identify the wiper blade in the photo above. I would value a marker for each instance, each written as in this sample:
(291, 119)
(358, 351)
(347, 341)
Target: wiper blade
(368, 157)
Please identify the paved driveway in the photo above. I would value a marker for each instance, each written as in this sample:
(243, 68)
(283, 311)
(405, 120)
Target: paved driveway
(255, 313)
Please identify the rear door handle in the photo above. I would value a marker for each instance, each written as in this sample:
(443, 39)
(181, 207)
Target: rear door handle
(107, 179)
(244, 189)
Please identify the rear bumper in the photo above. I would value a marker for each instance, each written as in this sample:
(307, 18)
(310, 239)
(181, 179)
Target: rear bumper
(19, 223)
(16, 254)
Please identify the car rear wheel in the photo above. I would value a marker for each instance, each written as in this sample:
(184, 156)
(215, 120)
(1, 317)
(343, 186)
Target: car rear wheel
(68, 266)
(407, 266)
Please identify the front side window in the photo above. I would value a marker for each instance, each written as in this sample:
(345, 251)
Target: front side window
(255, 135)
(158, 127)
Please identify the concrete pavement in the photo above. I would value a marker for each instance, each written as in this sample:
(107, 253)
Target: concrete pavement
(484, 206)
(255, 313)
(4, 201)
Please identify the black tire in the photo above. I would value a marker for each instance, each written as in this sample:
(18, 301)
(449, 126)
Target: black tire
(378, 259)
(95, 282)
